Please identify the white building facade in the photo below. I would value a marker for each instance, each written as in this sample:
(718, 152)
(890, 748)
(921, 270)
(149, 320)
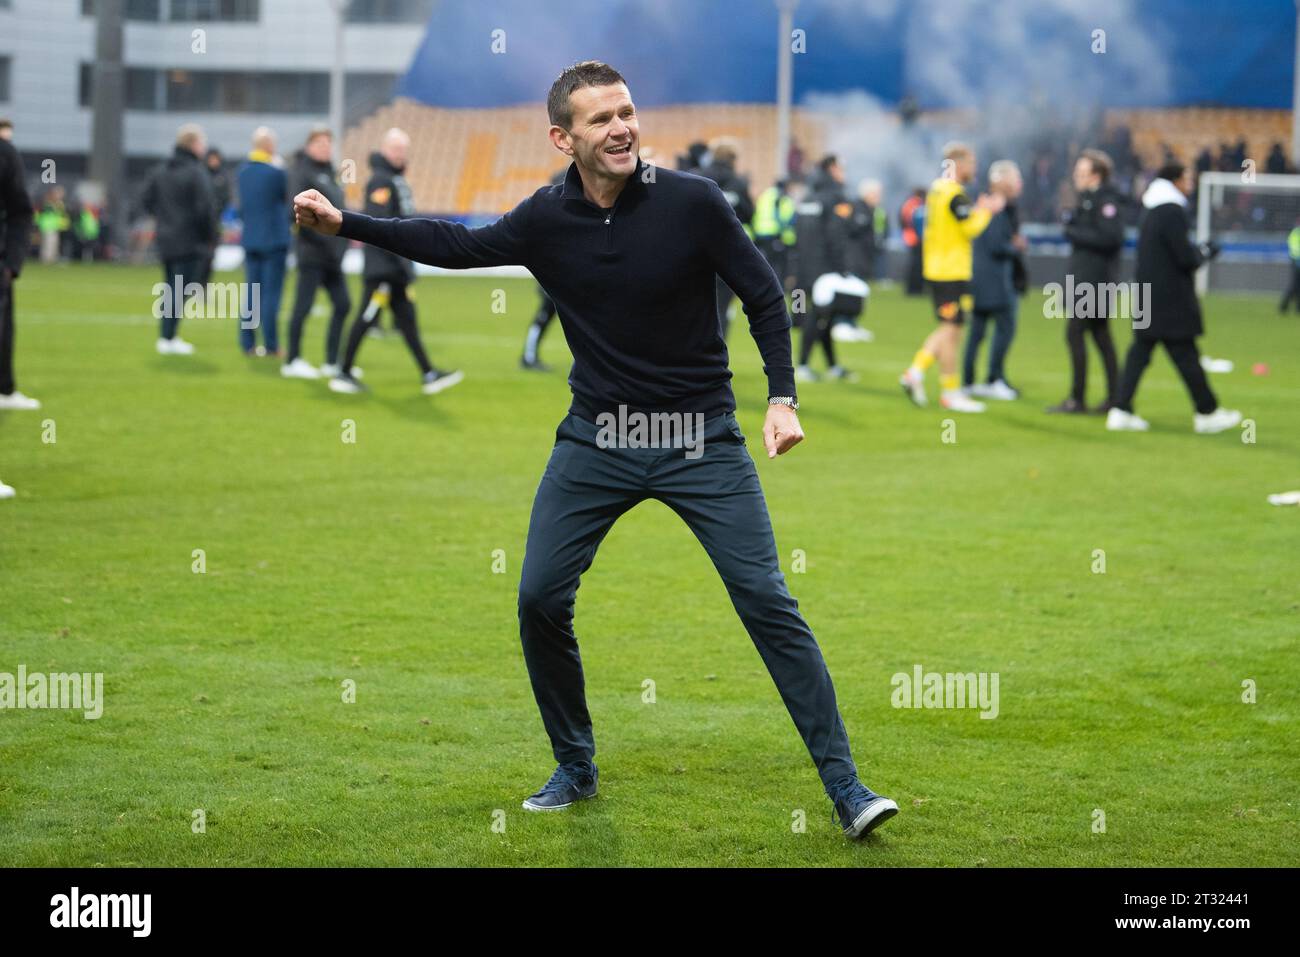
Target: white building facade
(229, 65)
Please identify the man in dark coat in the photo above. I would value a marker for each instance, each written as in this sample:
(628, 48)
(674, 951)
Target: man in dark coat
(823, 225)
(1166, 268)
(15, 228)
(1095, 230)
(320, 261)
(264, 209)
(388, 276)
(994, 255)
(180, 198)
(531, 359)
(721, 168)
(223, 194)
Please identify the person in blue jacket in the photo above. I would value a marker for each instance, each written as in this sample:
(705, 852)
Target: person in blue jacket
(264, 209)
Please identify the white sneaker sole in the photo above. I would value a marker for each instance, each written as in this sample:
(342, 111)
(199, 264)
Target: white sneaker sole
(917, 397)
(337, 385)
(873, 815)
(558, 807)
(440, 385)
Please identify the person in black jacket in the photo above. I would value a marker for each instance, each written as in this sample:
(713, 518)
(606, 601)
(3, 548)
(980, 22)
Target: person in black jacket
(1166, 268)
(223, 194)
(542, 318)
(632, 263)
(823, 226)
(994, 255)
(1096, 231)
(15, 229)
(320, 261)
(388, 276)
(721, 168)
(180, 197)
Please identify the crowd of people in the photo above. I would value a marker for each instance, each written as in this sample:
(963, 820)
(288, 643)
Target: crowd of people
(184, 196)
(969, 252)
(825, 241)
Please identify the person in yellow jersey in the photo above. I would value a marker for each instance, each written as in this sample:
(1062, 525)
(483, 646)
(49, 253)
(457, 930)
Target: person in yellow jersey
(952, 221)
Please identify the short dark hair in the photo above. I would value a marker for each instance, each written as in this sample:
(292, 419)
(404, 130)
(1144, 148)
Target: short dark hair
(6, 124)
(827, 161)
(1171, 171)
(1100, 162)
(586, 73)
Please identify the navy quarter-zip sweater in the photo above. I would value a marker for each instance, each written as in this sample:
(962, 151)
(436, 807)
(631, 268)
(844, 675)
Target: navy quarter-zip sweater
(633, 285)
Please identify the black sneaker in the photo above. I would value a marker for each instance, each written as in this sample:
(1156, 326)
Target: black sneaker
(435, 380)
(857, 808)
(1070, 406)
(570, 783)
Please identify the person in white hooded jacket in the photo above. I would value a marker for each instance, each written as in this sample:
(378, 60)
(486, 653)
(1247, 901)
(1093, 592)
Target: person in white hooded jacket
(1167, 262)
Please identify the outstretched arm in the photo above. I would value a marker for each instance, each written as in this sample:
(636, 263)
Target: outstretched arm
(434, 242)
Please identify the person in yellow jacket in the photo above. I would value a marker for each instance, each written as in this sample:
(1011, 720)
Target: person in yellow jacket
(952, 221)
(1293, 287)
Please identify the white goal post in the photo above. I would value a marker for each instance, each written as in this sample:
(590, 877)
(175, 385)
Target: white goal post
(1251, 215)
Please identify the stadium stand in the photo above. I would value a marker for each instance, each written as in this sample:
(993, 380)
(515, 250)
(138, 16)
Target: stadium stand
(481, 162)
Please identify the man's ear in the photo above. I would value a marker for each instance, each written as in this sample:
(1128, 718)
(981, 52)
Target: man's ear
(561, 140)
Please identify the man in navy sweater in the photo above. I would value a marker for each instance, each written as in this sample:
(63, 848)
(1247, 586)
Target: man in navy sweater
(263, 206)
(629, 253)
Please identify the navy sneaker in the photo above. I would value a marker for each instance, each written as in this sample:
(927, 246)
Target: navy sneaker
(570, 783)
(858, 809)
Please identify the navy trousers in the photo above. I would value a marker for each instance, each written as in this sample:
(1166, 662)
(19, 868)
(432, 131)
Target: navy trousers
(1004, 330)
(583, 492)
(265, 270)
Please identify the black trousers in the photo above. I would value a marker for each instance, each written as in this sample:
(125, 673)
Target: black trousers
(403, 318)
(1187, 360)
(584, 490)
(816, 330)
(1292, 293)
(7, 383)
(310, 279)
(541, 319)
(915, 285)
(178, 274)
(1075, 331)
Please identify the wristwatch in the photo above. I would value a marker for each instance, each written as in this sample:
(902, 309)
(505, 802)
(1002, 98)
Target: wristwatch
(789, 400)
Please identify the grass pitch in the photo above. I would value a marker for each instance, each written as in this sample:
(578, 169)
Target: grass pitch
(373, 562)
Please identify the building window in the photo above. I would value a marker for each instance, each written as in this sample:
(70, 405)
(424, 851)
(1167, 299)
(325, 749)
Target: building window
(135, 9)
(143, 90)
(389, 11)
(222, 91)
(217, 91)
(4, 76)
(223, 10)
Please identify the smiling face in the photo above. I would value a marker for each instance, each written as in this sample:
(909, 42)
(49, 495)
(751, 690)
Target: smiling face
(604, 135)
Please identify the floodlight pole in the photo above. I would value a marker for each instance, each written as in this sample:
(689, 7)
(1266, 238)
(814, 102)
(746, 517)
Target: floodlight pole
(337, 72)
(107, 101)
(785, 83)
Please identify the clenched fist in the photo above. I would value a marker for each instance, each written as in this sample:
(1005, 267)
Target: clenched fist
(312, 210)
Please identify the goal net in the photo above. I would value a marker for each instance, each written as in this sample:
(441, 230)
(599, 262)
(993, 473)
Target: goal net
(1250, 216)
